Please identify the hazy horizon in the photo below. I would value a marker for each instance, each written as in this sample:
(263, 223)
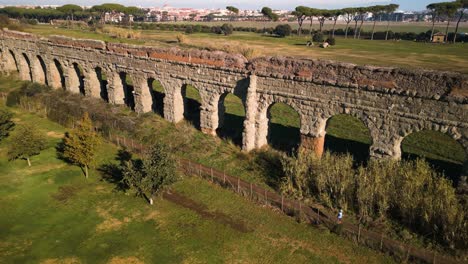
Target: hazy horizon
(413, 5)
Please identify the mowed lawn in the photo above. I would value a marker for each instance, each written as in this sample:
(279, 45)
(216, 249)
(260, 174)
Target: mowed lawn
(407, 54)
(51, 214)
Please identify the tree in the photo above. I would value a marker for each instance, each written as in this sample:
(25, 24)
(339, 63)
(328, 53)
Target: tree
(301, 12)
(435, 10)
(80, 144)
(323, 16)
(227, 29)
(311, 12)
(335, 14)
(283, 30)
(233, 10)
(6, 125)
(152, 175)
(25, 143)
(268, 13)
(462, 6)
(362, 11)
(376, 11)
(349, 15)
(70, 9)
(389, 10)
(449, 9)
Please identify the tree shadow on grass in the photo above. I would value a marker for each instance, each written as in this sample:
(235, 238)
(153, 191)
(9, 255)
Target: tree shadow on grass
(359, 151)
(284, 138)
(450, 170)
(270, 164)
(232, 128)
(112, 172)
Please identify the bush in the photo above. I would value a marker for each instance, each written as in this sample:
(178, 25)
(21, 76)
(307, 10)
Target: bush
(318, 37)
(227, 29)
(189, 30)
(283, 30)
(181, 38)
(331, 41)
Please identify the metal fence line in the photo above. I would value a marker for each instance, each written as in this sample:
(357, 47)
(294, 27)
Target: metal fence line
(310, 212)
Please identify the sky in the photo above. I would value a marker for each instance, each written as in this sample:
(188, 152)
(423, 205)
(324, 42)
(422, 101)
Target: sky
(407, 5)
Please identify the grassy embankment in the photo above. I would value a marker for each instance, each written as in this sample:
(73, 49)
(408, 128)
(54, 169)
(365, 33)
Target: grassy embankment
(406, 54)
(50, 213)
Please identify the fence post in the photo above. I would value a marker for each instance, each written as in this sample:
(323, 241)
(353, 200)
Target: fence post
(434, 258)
(118, 141)
(199, 170)
(189, 167)
(381, 242)
(300, 210)
(238, 184)
(211, 170)
(407, 255)
(282, 200)
(251, 194)
(359, 232)
(266, 197)
(224, 177)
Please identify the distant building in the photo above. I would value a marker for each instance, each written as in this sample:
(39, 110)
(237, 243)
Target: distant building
(438, 38)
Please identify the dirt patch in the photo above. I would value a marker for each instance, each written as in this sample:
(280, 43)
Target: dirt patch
(72, 260)
(65, 193)
(125, 260)
(110, 223)
(54, 134)
(202, 210)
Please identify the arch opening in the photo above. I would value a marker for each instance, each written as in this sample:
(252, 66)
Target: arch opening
(231, 116)
(42, 71)
(192, 104)
(128, 89)
(57, 75)
(442, 152)
(157, 95)
(27, 68)
(12, 59)
(348, 134)
(283, 127)
(80, 75)
(103, 84)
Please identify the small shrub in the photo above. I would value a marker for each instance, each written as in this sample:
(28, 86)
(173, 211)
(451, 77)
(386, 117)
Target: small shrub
(189, 30)
(181, 38)
(283, 30)
(227, 29)
(318, 37)
(331, 41)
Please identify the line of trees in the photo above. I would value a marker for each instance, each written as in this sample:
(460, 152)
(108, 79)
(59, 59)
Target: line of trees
(357, 14)
(447, 11)
(70, 11)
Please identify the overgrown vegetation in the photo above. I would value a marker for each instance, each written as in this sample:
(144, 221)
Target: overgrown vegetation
(6, 124)
(409, 192)
(26, 142)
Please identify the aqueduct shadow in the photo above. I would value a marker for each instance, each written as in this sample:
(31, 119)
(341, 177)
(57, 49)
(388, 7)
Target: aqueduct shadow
(231, 116)
(192, 104)
(103, 84)
(157, 95)
(283, 127)
(128, 89)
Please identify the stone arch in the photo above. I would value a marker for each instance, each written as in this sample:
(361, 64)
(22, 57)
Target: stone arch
(348, 133)
(280, 128)
(231, 116)
(24, 66)
(102, 79)
(192, 104)
(443, 149)
(75, 79)
(9, 61)
(39, 70)
(128, 90)
(157, 93)
(56, 75)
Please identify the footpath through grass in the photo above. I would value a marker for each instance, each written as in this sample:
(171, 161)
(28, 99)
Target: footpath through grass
(405, 54)
(51, 213)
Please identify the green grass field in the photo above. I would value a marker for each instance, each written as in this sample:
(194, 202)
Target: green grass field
(405, 54)
(51, 214)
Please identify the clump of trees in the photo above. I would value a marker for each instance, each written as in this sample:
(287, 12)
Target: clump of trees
(447, 11)
(25, 143)
(283, 30)
(409, 192)
(151, 175)
(6, 124)
(80, 144)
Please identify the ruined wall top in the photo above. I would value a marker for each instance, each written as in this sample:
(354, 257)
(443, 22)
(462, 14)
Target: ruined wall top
(415, 82)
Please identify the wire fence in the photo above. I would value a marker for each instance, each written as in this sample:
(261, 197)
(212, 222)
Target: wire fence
(311, 213)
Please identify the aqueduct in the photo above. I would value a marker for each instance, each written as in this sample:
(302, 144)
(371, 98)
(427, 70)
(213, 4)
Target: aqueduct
(391, 102)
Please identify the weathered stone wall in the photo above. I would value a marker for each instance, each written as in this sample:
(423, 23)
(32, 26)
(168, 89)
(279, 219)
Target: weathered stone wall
(391, 102)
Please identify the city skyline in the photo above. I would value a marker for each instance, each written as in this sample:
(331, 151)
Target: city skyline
(414, 5)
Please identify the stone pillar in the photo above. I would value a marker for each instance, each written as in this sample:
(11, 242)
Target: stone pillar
(251, 105)
(53, 76)
(92, 84)
(37, 72)
(385, 144)
(115, 89)
(313, 133)
(143, 98)
(72, 81)
(209, 119)
(173, 101)
(23, 67)
(7, 61)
